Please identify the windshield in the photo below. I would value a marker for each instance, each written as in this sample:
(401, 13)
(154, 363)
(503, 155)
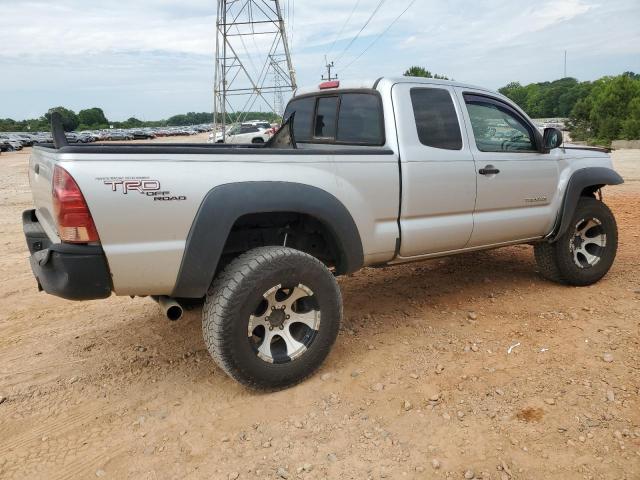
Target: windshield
(234, 130)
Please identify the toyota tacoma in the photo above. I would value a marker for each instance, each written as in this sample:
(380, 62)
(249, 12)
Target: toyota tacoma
(365, 173)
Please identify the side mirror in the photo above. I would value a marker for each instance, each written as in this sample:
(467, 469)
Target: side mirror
(552, 138)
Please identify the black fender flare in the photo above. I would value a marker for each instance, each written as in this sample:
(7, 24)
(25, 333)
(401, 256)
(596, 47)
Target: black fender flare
(224, 204)
(595, 177)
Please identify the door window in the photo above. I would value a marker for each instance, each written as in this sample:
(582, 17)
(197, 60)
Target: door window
(497, 128)
(436, 118)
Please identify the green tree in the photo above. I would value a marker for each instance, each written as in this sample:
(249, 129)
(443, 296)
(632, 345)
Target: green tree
(631, 125)
(515, 92)
(69, 118)
(610, 111)
(416, 71)
(546, 99)
(611, 105)
(93, 117)
(133, 122)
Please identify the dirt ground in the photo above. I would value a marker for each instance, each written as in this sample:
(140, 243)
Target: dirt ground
(420, 384)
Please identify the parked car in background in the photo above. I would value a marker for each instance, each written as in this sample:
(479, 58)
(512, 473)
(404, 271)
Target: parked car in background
(120, 135)
(24, 138)
(85, 137)
(42, 137)
(16, 140)
(243, 133)
(11, 144)
(142, 135)
(257, 123)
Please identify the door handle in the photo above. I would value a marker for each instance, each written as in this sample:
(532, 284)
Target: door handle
(489, 170)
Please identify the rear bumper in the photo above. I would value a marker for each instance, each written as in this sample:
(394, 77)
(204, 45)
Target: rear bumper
(74, 272)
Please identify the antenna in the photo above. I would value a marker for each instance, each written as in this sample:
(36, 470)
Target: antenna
(238, 81)
(329, 66)
(565, 64)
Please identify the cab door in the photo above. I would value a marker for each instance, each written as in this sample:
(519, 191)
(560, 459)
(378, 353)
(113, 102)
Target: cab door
(438, 172)
(517, 184)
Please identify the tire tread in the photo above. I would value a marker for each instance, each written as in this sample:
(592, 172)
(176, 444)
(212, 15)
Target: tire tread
(556, 264)
(225, 298)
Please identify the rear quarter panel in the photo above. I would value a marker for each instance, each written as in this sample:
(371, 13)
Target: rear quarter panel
(144, 238)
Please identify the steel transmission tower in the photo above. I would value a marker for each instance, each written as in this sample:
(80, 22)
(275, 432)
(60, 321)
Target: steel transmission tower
(247, 30)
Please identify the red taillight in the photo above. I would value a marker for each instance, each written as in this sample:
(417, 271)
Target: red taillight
(75, 224)
(331, 84)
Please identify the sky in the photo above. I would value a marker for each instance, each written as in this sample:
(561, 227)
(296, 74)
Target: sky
(155, 58)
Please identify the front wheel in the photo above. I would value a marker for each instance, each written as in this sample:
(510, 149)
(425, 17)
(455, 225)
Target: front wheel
(271, 317)
(585, 252)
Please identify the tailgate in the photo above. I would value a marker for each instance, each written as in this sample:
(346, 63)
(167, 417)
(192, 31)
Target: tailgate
(41, 165)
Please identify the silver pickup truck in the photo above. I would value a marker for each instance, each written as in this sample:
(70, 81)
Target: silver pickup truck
(361, 174)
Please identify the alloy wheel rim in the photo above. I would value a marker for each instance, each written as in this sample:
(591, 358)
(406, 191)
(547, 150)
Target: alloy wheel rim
(284, 324)
(588, 243)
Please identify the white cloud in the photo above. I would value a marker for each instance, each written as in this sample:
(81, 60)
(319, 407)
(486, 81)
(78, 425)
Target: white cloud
(85, 27)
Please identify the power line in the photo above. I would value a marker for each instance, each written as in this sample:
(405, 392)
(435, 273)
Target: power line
(344, 25)
(379, 36)
(375, 10)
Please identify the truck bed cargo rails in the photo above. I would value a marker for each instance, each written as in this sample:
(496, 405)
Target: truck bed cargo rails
(208, 149)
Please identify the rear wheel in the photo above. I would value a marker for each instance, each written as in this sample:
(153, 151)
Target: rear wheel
(257, 140)
(585, 252)
(271, 317)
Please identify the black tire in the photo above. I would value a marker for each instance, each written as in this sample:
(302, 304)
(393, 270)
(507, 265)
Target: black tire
(236, 295)
(557, 261)
(257, 140)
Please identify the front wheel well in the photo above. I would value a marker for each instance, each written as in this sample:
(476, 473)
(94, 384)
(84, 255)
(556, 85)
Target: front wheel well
(295, 230)
(591, 191)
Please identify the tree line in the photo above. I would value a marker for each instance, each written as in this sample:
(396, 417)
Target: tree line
(95, 119)
(598, 112)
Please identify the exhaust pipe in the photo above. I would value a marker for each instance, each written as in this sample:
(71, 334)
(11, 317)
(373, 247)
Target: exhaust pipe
(172, 309)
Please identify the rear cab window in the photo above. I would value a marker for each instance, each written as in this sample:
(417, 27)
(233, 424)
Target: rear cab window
(436, 119)
(326, 116)
(340, 118)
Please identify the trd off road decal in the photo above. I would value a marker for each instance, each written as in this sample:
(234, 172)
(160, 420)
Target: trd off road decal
(142, 185)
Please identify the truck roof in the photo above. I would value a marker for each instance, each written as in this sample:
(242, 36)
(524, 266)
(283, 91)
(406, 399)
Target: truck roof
(372, 83)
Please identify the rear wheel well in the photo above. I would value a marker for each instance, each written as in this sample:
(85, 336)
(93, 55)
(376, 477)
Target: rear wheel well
(296, 230)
